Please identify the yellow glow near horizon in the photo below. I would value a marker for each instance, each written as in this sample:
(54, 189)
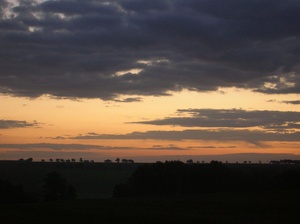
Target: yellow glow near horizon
(67, 118)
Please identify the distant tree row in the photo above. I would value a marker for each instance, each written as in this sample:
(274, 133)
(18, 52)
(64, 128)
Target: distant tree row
(118, 160)
(68, 160)
(26, 160)
(285, 161)
(60, 160)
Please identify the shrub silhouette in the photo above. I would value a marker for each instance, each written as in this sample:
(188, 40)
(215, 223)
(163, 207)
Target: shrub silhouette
(56, 188)
(13, 194)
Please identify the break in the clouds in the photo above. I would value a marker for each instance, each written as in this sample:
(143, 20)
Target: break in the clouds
(106, 49)
(7, 124)
(231, 118)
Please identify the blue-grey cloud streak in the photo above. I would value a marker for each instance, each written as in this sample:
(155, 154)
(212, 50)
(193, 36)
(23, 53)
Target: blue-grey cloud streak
(79, 147)
(252, 136)
(231, 118)
(8, 124)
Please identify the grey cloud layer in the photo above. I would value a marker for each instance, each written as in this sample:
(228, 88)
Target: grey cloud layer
(74, 48)
(6, 124)
(58, 146)
(295, 102)
(221, 125)
(207, 135)
(234, 118)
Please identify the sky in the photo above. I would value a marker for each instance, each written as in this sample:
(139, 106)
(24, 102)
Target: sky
(150, 80)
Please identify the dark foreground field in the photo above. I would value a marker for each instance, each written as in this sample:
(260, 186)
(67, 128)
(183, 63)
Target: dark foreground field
(259, 207)
(170, 192)
(91, 180)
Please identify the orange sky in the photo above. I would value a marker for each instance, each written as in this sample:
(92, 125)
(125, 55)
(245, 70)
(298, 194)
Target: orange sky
(58, 121)
(149, 80)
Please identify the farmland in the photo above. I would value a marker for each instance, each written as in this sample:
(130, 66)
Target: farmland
(91, 180)
(94, 183)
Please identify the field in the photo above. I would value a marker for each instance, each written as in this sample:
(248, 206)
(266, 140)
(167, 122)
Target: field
(91, 180)
(94, 183)
(263, 207)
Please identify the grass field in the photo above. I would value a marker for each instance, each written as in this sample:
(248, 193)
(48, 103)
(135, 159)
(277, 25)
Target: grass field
(91, 180)
(231, 208)
(94, 184)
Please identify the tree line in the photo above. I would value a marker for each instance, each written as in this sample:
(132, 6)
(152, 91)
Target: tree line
(175, 177)
(81, 160)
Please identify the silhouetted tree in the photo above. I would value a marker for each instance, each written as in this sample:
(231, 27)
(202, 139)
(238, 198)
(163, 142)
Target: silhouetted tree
(55, 188)
(107, 161)
(189, 161)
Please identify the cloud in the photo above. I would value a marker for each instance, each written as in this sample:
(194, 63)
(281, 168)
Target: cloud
(59, 146)
(295, 102)
(212, 147)
(98, 49)
(7, 124)
(129, 100)
(171, 147)
(231, 118)
(222, 125)
(57, 137)
(3, 6)
(209, 135)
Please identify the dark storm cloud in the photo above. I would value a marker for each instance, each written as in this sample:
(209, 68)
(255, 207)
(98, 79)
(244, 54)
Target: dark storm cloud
(215, 135)
(7, 124)
(76, 49)
(232, 118)
(3, 6)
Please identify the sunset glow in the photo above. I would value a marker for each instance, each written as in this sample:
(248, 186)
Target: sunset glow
(149, 80)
